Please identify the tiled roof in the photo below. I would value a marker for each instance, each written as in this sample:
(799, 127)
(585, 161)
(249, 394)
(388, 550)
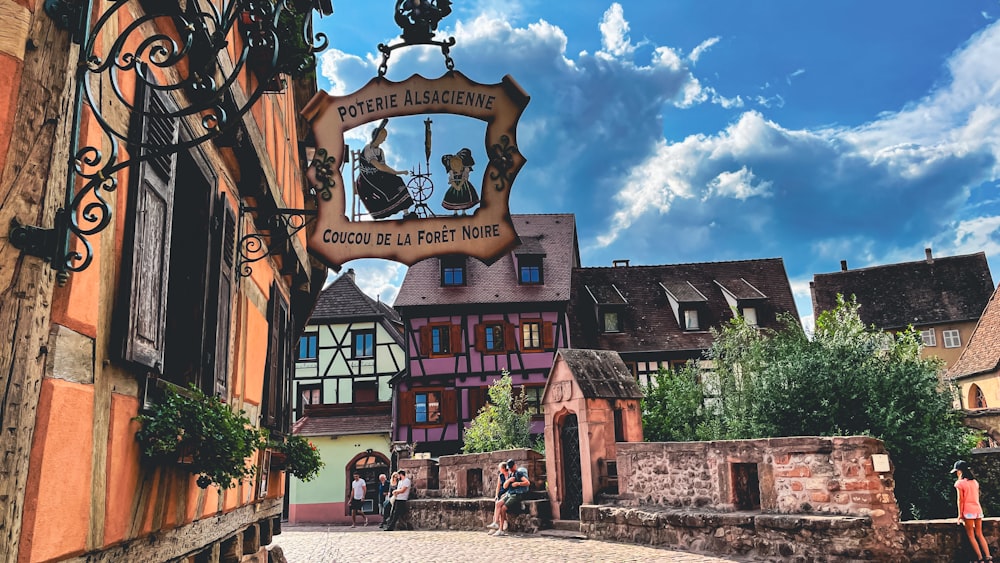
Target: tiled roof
(342, 425)
(982, 354)
(950, 289)
(343, 299)
(551, 235)
(601, 374)
(648, 322)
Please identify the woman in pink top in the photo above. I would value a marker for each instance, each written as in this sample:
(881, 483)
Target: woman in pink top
(970, 512)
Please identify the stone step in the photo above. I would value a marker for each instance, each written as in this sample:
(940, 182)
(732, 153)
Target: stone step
(563, 534)
(566, 525)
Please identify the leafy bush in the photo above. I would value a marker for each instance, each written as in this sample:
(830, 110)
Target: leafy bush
(503, 424)
(302, 458)
(848, 380)
(203, 432)
(672, 407)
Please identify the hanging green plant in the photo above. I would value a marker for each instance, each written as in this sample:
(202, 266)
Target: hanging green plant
(298, 456)
(203, 433)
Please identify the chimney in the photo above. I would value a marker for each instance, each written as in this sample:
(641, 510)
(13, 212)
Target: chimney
(930, 257)
(843, 265)
(350, 273)
(619, 263)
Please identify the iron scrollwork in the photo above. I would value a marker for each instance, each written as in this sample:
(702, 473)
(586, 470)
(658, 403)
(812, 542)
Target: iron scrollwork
(174, 51)
(502, 158)
(419, 21)
(280, 225)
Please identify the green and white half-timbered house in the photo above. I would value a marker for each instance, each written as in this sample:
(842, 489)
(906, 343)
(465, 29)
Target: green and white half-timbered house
(351, 348)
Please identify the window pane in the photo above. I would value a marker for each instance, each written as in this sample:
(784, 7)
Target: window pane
(928, 337)
(364, 344)
(421, 406)
(611, 322)
(531, 335)
(951, 339)
(440, 339)
(750, 316)
(690, 320)
(307, 347)
(494, 337)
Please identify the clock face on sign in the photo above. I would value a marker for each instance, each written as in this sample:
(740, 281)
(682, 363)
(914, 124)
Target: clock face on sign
(399, 224)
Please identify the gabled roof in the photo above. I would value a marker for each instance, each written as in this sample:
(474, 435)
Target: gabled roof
(342, 425)
(982, 354)
(553, 236)
(601, 374)
(343, 301)
(649, 322)
(935, 290)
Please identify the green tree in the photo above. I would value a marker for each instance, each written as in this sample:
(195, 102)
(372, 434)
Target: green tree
(672, 407)
(848, 380)
(504, 423)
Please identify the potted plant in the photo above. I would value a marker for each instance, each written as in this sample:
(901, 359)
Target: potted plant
(297, 456)
(201, 432)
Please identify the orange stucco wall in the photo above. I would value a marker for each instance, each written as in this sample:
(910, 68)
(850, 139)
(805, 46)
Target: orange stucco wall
(123, 467)
(55, 525)
(256, 354)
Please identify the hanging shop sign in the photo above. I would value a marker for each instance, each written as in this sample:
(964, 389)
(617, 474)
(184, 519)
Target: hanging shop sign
(404, 219)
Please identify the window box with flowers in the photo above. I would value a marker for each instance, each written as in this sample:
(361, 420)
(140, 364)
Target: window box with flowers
(297, 456)
(201, 433)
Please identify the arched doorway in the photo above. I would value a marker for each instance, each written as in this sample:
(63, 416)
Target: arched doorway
(369, 464)
(572, 479)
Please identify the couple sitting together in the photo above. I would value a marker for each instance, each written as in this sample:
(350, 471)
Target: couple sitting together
(512, 484)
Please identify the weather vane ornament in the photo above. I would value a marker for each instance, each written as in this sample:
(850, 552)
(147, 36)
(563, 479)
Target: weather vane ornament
(402, 227)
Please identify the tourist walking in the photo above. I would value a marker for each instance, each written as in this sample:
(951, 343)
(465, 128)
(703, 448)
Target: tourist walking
(399, 496)
(358, 491)
(970, 512)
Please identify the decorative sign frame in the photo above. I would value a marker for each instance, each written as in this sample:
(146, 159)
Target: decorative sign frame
(486, 234)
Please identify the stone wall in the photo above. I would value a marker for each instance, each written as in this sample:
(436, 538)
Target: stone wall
(944, 540)
(475, 475)
(471, 514)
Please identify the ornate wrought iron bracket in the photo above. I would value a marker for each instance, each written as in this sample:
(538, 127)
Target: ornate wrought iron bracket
(419, 21)
(176, 51)
(279, 226)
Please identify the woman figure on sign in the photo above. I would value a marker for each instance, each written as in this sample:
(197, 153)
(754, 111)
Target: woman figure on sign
(461, 194)
(970, 512)
(380, 187)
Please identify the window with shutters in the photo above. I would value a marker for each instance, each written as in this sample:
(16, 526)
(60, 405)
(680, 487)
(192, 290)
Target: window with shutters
(427, 407)
(279, 363)
(537, 336)
(493, 338)
(309, 394)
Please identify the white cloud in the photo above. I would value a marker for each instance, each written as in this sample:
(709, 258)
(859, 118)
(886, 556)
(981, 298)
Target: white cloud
(379, 279)
(614, 32)
(798, 72)
(698, 51)
(737, 185)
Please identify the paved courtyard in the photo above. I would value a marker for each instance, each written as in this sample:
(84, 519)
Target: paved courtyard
(342, 544)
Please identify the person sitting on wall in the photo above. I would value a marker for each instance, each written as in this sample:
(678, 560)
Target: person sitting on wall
(517, 485)
(500, 497)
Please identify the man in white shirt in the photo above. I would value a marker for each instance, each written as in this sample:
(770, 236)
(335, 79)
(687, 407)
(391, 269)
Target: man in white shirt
(402, 494)
(358, 491)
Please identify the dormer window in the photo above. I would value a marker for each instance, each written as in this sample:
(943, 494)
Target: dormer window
(529, 271)
(453, 271)
(612, 322)
(691, 319)
(750, 316)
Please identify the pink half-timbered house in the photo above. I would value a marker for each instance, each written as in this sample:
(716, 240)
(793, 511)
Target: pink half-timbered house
(465, 322)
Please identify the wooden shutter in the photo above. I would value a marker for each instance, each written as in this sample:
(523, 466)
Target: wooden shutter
(405, 408)
(477, 399)
(480, 337)
(224, 241)
(146, 260)
(456, 339)
(278, 353)
(425, 341)
(449, 407)
(510, 336)
(548, 336)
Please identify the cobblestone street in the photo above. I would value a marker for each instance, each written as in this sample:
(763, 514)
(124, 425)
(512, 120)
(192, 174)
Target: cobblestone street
(342, 544)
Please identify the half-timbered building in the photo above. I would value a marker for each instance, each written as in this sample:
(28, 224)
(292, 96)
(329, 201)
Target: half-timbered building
(136, 151)
(350, 349)
(660, 316)
(466, 322)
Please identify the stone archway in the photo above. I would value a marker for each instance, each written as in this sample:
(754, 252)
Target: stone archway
(369, 464)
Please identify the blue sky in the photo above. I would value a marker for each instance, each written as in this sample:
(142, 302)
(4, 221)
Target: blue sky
(689, 131)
